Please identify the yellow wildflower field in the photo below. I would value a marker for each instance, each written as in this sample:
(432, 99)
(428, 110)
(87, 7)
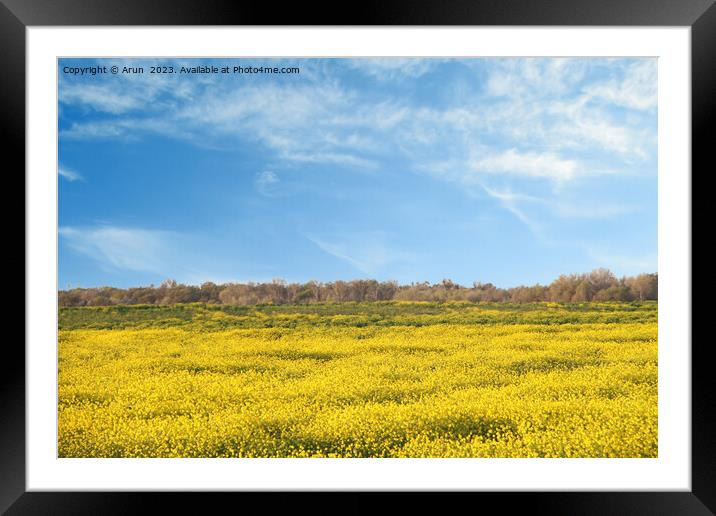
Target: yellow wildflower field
(386, 379)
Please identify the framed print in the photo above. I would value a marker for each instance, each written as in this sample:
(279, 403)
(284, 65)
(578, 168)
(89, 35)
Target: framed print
(414, 250)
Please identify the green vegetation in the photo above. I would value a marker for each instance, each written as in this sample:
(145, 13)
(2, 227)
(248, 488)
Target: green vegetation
(208, 317)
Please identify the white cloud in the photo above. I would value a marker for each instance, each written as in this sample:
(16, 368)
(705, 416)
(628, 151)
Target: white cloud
(369, 252)
(296, 122)
(331, 157)
(266, 183)
(69, 174)
(550, 115)
(121, 248)
(92, 130)
(189, 258)
(122, 93)
(533, 77)
(512, 202)
(527, 164)
(101, 97)
(551, 103)
(637, 89)
(392, 68)
(579, 125)
(126, 129)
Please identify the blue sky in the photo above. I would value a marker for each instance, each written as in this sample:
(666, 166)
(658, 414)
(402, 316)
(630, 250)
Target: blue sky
(510, 171)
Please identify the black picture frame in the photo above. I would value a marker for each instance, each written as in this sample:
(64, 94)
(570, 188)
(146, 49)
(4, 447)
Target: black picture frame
(16, 15)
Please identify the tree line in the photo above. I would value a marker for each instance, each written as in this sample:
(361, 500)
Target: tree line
(598, 285)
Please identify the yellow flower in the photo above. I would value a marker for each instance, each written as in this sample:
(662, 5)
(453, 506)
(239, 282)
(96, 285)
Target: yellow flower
(384, 379)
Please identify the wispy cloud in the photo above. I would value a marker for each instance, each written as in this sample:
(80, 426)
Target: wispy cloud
(127, 129)
(513, 203)
(525, 122)
(368, 252)
(636, 89)
(331, 157)
(123, 93)
(69, 174)
(534, 103)
(101, 97)
(534, 77)
(122, 248)
(96, 130)
(528, 164)
(393, 68)
(267, 183)
(163, 254)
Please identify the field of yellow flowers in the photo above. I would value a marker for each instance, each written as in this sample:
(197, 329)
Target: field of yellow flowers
(385, 379)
